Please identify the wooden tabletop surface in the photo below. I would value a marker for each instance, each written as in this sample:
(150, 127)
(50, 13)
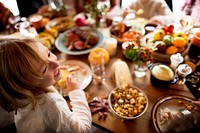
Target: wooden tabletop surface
(113, 123)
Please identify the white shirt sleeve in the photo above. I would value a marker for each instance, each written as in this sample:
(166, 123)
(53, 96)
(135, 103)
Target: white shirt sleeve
(52, 114)
(78, 120)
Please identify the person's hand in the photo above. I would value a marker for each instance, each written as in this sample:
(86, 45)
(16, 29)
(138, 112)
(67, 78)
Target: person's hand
(155, 20)
(72, 83)
(197, 102)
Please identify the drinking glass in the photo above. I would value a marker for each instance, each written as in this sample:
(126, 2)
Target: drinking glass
(55, 4)
(98, 68)
(187, 22)
(140, 69)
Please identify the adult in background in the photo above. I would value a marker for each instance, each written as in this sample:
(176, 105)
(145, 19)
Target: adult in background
(192, 8)
(28, 7)
(79, 4)
(156, 11)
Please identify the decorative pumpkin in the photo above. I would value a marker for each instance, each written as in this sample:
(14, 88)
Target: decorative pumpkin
(96, 51)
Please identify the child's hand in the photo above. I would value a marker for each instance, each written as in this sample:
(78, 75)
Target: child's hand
(72, 83)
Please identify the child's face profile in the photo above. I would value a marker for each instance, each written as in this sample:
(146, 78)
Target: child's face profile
(51, 72)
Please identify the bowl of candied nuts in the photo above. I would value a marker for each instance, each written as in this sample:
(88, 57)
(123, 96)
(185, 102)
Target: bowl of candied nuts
(128, 103)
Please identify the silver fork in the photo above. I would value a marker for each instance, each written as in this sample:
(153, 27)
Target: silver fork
(185, 112)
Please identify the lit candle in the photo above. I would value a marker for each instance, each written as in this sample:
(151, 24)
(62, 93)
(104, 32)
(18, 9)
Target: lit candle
(111, 46)
(37, 21)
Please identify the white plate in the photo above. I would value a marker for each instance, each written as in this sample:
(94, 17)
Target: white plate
(83, 75)
(61, 47)
(135, 26)
(175, 103)
(55, 21)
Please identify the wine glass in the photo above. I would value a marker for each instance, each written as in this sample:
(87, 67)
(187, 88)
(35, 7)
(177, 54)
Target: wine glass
(55, 4)
(187, 22)
(103, 7)
(183, 70)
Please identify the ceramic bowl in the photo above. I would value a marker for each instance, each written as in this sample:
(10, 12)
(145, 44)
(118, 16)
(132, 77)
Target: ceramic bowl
(150, 28)
(165, 58)
(162, 75)
(128, 103)
(162, 57)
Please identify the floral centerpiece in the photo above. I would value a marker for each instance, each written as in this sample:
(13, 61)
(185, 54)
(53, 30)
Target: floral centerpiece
(136, 53)
(92, 7)
(140, 56)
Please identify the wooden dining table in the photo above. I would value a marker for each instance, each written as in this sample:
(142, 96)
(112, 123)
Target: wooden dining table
(113, 123)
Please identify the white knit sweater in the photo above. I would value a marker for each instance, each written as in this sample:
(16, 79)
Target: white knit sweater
(52, 114)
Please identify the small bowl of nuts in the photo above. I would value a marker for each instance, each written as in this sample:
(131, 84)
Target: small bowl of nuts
(128, 103)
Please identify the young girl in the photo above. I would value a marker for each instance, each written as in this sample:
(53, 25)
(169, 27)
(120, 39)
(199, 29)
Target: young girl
(28, 71)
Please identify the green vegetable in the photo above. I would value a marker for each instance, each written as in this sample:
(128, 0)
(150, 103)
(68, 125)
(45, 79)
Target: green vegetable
(132, 54)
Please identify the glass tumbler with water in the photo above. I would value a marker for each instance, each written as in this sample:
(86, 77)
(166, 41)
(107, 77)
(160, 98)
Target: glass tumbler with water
(98, 68)
(55, 4)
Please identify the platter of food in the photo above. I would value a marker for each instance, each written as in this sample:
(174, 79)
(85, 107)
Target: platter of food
(79, 40)
(122, 32)
(168, 109)
(48, 38)
(167, 42)
(61, 24)
(78, 69)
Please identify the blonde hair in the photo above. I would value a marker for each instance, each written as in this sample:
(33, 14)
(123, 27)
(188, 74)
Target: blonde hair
(15, 66)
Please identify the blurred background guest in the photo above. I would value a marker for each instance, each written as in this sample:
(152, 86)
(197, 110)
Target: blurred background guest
(79, 4)
(156, 11)
(192, 7)
(7, 121)
(5, 14)
(28, 7)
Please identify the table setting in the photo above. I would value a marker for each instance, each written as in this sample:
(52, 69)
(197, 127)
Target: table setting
(133, 76)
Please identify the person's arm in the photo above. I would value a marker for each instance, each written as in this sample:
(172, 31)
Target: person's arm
(77, 120)
(114, 3)
(4, 16)
(60, 118)
(165, 14)
(163, 8)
